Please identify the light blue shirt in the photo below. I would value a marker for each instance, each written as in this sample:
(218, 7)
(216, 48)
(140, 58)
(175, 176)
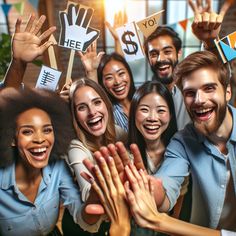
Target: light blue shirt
(19, 216)
(121, 119)
(191, 151)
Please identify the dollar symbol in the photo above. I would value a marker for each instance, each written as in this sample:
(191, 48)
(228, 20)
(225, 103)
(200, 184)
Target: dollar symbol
(126, 39)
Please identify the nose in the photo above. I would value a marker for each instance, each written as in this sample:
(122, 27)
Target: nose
(39, 137)
(118, 79)
(200, 97)
(152, 116)
(161, 57)
(92, 110)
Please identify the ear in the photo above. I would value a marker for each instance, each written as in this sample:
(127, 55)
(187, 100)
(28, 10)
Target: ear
(179, 54)
(228, 93)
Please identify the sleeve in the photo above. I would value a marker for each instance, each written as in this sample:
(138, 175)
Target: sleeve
(76, 154)
(227, 233)
(174, 170)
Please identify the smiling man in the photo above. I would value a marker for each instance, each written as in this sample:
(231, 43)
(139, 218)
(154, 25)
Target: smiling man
(206, 147)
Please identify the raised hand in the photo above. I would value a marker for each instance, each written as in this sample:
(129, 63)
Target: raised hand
(75, 33)
(207, 23)
(90, 60)
(140, 195)
(27, 44)
(120, 19)
(110, 190)
(65, 91)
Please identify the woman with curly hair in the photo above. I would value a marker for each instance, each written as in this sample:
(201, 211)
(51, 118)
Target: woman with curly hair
(35, 130)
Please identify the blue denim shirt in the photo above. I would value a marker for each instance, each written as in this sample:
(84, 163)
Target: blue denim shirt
(191, 151)
(19, 216)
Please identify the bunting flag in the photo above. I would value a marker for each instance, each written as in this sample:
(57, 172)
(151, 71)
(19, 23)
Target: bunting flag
(184, 24)
(6, 8)
(19, 7)
(227, 47)
(34, 3)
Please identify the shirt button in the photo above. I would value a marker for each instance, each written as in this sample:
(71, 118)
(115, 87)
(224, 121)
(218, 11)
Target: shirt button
(222, 186)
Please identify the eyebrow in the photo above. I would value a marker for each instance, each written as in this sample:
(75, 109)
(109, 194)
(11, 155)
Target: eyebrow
(164, 48)
(204, 85)
(31, 126)
(83, 103)
(117, 71)
(145, 105)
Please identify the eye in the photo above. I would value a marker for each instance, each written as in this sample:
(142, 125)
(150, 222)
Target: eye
(209, 88)
(27, 132)
(153, 54)
(122, 73)
(108, 78)
(161, 111)
(98, 102)
(48, 130)
(189, 93)
(81, 108)
(168, 52)
(143, 109)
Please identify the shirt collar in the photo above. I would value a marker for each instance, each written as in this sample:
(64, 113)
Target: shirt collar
(8, 176)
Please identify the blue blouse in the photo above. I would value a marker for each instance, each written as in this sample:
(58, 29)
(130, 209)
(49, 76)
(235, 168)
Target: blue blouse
(19, 216)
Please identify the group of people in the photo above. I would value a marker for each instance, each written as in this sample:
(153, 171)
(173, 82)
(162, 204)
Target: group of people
(118, 158)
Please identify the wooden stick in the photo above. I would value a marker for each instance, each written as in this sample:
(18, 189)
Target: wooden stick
(51, 54)
(70, 66)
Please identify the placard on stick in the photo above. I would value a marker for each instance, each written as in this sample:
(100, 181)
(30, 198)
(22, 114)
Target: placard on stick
(149, 24)
(48, 78)
(130, 42)
(75, 31)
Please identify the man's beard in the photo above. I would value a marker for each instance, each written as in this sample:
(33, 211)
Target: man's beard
(157, 65)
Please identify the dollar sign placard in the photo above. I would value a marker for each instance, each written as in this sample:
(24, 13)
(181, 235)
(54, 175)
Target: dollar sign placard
(131, 46)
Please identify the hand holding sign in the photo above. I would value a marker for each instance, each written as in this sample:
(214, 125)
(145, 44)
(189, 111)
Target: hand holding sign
(207, 23)
(75, 33)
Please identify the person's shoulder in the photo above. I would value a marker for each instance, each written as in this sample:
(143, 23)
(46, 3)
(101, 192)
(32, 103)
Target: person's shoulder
(188, 132)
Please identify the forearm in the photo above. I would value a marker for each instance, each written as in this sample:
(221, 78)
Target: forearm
(170, 225)
(92, 75)
(15, 74)
(115, 230)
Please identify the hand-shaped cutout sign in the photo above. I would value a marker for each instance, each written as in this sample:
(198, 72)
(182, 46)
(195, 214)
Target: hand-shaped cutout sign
(75, 33)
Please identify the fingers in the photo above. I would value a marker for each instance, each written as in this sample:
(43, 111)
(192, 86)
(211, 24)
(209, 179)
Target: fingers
(193, 6)
(44, 47)
(116, 157)
(35, 29)
(225, 7)
(47, 33)
(17, 25)
(132, 179)
(123, 153)
(138, 161)
(115, 175)
(30, 23)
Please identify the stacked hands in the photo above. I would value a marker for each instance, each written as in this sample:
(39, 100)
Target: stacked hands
(123, 188)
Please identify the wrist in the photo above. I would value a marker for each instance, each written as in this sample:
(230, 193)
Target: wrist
(209, 44)
(18, 63)
(92, 75)
(116, 229)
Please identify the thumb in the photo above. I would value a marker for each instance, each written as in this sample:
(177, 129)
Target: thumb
(94, 209)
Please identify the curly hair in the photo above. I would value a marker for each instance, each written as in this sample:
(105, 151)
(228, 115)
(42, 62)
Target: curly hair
(86, 138)
(14, 102)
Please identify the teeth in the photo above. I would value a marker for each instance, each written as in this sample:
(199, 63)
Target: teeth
(119, 89)
(152, 127)
(37, 150)
(200, 111)
(163, 67)
(94, 120)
